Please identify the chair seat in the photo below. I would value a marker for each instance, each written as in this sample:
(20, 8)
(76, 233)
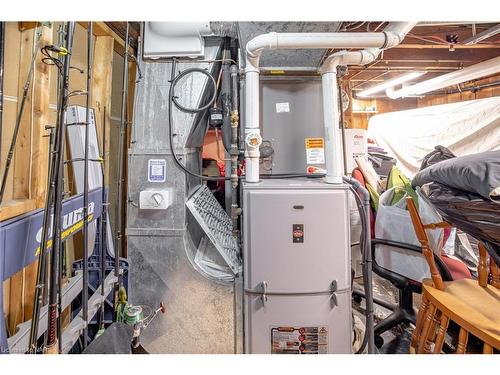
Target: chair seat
(471, 306)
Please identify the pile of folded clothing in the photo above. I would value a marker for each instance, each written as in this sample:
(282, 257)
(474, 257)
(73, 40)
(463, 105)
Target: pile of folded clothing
(381, 161)
(466, 192)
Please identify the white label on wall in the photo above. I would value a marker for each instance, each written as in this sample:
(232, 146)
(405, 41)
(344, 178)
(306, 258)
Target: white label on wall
(157, 170)
(282, 107)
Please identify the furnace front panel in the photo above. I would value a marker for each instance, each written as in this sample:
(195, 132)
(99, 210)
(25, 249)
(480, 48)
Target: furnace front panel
(297, 294)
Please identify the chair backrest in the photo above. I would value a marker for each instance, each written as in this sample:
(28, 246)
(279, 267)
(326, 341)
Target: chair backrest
(424, 241)
(484, 272)
(483, 269)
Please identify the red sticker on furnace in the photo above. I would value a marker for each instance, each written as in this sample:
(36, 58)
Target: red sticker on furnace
(298, 233)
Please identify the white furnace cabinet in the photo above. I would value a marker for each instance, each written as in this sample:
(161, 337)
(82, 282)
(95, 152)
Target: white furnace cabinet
(297, 268)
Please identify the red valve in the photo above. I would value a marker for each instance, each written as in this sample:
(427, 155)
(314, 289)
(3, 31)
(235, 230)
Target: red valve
(162, 308)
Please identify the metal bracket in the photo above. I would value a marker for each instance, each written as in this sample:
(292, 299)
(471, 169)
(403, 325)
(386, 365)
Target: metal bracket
(263, 297)
(333, 297)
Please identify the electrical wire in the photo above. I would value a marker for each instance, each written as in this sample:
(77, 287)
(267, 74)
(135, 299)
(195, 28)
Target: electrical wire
(173, 100)
(49, 59)
(348, 25)
(185, 73)
(435, 39)
(219, 79)
(430, 39)
(379, 26)
(139, 70)
(348, 28)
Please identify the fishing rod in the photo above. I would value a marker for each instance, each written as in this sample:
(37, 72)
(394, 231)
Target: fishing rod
(61, 33)
(85, 290)
(103, 230)
(62, 252)
(56, 184)
(2, 59)
(13, 142)
(119, 205)
(41, 274)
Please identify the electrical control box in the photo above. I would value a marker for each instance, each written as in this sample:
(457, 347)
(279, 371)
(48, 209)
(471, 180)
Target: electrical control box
(297, 267)
(155, 199)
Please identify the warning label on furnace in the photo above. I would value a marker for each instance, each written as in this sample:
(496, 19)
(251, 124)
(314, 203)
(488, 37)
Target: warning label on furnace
(315, 151)
(301, 340)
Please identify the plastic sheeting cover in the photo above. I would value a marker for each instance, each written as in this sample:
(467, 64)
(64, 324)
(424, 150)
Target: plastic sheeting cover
(465, 128)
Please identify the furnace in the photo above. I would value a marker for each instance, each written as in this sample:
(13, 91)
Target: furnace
(296, 256)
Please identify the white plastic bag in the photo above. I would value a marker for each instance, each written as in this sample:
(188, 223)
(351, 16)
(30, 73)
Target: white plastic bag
(394, 223)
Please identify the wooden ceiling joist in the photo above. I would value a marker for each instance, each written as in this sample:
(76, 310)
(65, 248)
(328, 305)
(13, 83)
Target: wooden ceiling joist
(102, 29)
(446, 46)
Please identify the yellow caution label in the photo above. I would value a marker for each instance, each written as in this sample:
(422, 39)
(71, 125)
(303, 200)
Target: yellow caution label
(315, 151)
(315, 143)
(277, 72)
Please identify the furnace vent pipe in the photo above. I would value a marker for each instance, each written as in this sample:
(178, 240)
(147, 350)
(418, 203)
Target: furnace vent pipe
(483, 69)
(274, 40)
(373, 43)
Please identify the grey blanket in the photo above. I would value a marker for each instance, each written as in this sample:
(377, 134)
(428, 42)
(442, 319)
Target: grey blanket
(475, 173)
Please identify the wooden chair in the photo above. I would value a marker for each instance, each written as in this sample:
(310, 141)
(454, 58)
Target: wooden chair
(473, 305)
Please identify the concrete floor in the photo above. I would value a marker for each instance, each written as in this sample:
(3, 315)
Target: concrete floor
(213, 317)
(396, 340)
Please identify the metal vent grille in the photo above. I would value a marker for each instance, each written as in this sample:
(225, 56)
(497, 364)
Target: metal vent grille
(216, 224)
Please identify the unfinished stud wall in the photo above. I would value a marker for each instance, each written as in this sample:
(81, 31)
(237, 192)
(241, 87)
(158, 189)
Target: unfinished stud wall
(26, 186)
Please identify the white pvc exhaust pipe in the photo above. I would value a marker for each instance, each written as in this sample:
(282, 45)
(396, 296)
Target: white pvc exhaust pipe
(275, 40)
(333, 138)
(373, 43)
(483, 69)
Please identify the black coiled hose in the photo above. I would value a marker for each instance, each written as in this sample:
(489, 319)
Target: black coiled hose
(173, 99)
